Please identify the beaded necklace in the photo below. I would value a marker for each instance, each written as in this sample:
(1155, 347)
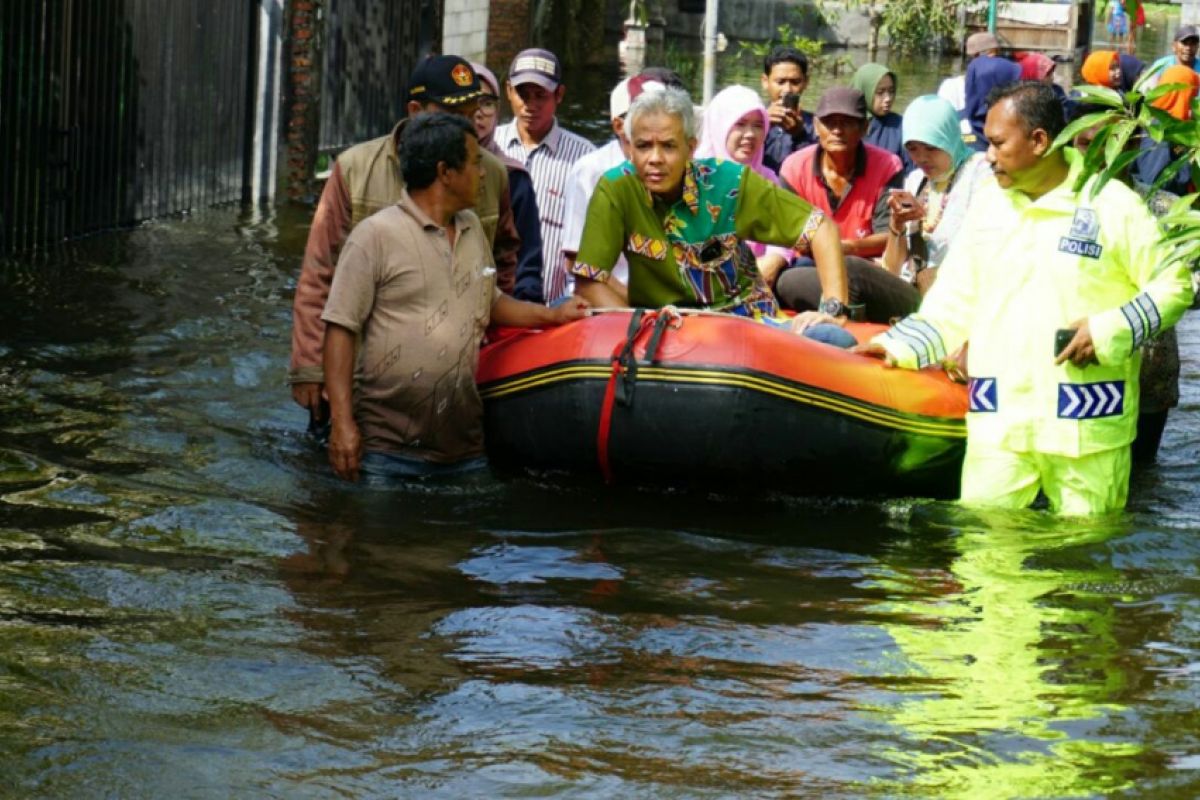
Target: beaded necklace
(936, 209)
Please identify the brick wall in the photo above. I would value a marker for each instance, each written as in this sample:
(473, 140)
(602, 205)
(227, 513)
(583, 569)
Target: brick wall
(508, 32)
(302, 97)
(465, 28)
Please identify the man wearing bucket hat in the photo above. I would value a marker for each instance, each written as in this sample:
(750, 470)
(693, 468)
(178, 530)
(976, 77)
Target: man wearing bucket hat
(366, 178)
(954, 89)
(535, 139)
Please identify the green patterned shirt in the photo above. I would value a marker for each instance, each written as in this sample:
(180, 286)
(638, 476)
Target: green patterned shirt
(691, 253)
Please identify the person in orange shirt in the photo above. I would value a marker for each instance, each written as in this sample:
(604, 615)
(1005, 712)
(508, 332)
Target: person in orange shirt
(1156, 156)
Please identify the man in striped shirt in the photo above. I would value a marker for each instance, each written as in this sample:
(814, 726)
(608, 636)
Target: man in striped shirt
(534, 138)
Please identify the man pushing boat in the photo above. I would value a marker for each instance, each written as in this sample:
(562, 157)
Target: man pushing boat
(681, 223)
(1040, 262)
(414, 289)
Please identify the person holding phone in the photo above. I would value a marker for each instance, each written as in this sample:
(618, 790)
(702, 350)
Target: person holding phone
(931, 206)
(784, 79)
(1036, 255)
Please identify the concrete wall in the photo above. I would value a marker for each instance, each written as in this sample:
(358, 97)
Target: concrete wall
(465, 29)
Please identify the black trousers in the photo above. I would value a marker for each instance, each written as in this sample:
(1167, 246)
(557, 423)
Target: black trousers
(884, 295)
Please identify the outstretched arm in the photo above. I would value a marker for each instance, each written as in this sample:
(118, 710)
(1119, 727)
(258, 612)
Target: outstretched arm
(599, 295)
(521, 314)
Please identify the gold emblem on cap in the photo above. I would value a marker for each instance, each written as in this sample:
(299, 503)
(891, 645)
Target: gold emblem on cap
(462, 75)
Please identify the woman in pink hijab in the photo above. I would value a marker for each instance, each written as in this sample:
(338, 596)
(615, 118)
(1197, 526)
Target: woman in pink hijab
(735, 129)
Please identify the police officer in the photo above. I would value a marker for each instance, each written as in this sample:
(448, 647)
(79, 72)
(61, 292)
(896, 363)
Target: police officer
(1039, 265)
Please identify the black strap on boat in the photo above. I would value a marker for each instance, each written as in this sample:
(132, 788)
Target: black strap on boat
(622, 355)
(627, 376)
(652, 346)
(627, 359)
(623, 379)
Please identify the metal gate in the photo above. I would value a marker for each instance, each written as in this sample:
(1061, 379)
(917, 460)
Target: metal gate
(370, 47)
(115, 111)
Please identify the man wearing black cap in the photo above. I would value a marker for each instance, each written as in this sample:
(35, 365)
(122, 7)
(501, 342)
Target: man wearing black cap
(366, 178)
(849, 180)
(535, 139)
(1183, 51)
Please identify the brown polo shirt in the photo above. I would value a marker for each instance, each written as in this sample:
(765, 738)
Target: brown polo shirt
(419, 310)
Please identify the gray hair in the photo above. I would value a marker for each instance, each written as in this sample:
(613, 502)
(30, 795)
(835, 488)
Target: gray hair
(664, 101)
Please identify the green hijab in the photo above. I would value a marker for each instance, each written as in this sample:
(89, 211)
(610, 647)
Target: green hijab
(867, 79)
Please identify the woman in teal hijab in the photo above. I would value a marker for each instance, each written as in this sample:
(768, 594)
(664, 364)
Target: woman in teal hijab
(878, 85)
(947, 175)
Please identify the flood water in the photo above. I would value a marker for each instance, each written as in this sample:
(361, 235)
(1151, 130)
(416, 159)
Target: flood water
(192, 606)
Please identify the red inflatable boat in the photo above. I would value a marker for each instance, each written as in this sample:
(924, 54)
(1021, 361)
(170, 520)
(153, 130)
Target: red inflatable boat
(718, 401)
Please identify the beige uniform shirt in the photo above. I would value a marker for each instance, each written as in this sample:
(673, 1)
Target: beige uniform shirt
(419, 310)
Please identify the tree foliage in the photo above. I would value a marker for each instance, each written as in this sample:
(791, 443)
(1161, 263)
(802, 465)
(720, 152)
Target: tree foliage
(1124, 119)
(911, 26)
(791, 34)
(919, 25)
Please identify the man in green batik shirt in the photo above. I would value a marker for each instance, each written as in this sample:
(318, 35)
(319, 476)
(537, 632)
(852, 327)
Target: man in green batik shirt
(681, 224)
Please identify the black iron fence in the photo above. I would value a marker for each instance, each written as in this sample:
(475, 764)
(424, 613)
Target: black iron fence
(117, 111)
(114, 111)
(370, 46)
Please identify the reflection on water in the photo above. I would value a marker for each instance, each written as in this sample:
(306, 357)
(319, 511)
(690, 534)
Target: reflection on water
(190, 605)
(1018, 666)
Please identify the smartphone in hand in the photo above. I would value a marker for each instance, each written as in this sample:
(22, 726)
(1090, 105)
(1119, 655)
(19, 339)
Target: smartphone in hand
(902, 200)
(1062, 338)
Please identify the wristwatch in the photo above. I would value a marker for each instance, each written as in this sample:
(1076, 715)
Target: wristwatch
(834, 307)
